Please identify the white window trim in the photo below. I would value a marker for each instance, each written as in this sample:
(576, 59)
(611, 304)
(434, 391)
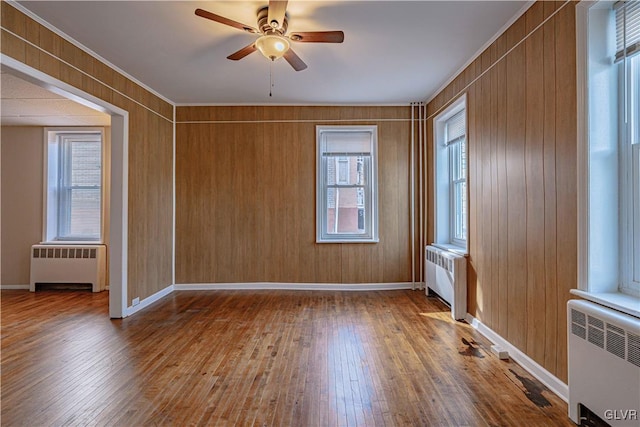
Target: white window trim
(443, 205)
(371, 202)
(46, 227)
(604, 294)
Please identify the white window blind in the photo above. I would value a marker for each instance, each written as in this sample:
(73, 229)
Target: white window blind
(627, 28)
(455, 128)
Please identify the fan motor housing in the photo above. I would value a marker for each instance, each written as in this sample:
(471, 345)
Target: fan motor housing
(266, 28)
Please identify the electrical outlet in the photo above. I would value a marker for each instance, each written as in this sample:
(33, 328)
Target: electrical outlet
(135, 301)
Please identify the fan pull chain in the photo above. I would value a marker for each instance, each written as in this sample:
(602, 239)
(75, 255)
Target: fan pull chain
(270, 78)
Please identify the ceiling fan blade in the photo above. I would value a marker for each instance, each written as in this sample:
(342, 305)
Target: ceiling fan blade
(277, 10)
(294, 60)
(318, 37)
(221, 19)
(242, 52)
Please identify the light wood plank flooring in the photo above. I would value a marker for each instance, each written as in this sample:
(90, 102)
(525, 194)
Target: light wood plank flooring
(263, 358)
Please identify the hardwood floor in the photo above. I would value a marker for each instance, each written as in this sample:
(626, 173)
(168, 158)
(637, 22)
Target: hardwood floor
(265, 358)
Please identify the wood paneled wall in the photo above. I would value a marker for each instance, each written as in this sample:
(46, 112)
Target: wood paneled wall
(150, 141)
(245, 197)
(522, 181)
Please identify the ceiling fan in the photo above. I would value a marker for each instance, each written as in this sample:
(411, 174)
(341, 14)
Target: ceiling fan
(274, 42)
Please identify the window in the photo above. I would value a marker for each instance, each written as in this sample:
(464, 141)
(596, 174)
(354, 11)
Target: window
(628, 61)
(609, 147)
(73, 207)
(451, 176)
(346, 191)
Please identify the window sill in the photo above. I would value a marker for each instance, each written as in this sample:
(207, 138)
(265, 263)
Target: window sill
(452, 248)
(73, 242)
(618, 301)
(348, 241)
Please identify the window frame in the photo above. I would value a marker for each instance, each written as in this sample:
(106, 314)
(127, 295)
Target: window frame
(604, 176)
(55, 154)
(370, 186)
(445, 182)
(629, 177)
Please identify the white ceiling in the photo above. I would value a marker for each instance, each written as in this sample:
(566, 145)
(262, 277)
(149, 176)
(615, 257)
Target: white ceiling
(25, 104)
(394, 52)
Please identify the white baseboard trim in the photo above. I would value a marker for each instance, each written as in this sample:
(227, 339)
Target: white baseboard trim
(14, 287)
(294, 286)
(545, 377)
(149, 300)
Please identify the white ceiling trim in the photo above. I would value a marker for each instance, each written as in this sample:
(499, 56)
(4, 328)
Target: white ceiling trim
(270, 104)
(446, 104)
(79, 45)
(475, 56)
(418, 77)
(53, 89)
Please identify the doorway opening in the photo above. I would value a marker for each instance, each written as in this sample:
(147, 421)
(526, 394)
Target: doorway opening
(116, 165)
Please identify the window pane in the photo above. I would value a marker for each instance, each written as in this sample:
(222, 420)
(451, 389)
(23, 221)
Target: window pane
(349, 216)
(85, 213)
(634, 95)
(635, 188)
(85, 163)
(345, 170)
(463, 159)
(460, 210)
(458, 153)
(80, 193)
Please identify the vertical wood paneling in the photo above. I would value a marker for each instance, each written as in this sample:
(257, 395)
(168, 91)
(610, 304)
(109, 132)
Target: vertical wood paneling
(494, 299)
(522, 175)
(516, 195)
(566, 134)
(503, 201)
(254, 184)
(550, 228)
(472, 272)
(485, 231)
(534, 146)
(150, 142)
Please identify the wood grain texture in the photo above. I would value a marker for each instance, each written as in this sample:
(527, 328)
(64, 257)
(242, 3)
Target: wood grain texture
(522, 177)
(566, 172)
(534, 167)
(150, 141)
(245, 197)
(275, 358)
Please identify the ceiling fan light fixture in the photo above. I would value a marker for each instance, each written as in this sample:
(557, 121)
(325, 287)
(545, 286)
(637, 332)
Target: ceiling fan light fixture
(272, 46)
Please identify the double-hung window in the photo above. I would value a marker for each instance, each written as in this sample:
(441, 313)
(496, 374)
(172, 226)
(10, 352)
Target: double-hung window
(73, 206)
(628, 61)
(609, 147)
(455, 137)
(451, 176)
(346, 193)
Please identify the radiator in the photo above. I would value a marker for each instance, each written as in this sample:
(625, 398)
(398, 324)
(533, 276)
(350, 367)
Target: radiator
(446, 275)
(69, 264)
(604, 363)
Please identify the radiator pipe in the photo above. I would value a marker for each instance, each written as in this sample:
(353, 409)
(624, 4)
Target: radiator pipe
(412, 199)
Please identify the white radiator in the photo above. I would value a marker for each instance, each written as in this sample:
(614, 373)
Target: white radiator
(446, 275)
(604, 363)
(69, 264)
